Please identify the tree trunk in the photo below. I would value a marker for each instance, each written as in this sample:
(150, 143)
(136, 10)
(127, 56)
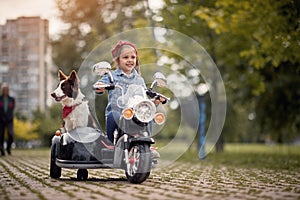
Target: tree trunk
(220, 145)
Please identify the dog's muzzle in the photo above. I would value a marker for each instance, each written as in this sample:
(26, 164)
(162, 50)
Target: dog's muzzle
(58, 98)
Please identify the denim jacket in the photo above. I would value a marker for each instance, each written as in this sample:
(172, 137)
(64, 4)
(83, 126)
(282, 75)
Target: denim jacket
(124, 81)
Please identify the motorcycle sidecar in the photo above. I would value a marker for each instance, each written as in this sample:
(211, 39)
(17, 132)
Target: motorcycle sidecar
(83, 148)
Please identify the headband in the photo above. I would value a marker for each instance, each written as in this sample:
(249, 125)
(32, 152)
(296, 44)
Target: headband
(119, 45)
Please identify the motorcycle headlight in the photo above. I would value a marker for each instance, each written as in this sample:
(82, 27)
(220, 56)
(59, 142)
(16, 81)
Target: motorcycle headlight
(144, 111)
(127, 113)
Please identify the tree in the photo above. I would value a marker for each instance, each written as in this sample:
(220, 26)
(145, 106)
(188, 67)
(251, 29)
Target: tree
(180, 15)
(47, 123)
(268, 56)
(24, 130)
(90, 22)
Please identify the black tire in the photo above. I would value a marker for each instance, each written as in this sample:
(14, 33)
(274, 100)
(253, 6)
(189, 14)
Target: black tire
(139, 170)
(55, 171)
(82, 174)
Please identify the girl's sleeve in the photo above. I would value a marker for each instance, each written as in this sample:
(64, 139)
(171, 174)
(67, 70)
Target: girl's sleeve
(104, 79)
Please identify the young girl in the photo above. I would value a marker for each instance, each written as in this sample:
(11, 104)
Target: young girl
(125, 56)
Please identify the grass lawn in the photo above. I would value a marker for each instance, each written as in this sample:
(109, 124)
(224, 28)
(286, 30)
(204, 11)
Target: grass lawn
(251, 156)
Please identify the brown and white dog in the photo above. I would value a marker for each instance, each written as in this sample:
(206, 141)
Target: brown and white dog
(75, 109)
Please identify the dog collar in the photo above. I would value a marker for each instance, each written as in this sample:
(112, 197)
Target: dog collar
(68, 109)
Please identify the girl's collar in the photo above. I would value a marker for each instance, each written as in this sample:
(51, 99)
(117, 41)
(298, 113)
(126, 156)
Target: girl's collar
(120, 72)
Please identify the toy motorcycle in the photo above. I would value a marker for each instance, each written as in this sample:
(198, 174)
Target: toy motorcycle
(88, 148)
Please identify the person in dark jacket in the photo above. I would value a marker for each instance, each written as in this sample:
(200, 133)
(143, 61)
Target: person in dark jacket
(7, 105)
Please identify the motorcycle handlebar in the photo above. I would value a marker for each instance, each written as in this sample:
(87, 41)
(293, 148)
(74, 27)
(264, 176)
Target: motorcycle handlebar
(157, 95)
(105, 86)
(149, 92)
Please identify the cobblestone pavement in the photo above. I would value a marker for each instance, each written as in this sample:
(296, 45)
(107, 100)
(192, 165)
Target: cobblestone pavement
(25, 175)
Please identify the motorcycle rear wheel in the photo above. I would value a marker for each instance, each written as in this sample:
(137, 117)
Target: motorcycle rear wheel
(140, 163)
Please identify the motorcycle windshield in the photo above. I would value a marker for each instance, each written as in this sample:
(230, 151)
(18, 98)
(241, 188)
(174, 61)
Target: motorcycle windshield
(134, 94)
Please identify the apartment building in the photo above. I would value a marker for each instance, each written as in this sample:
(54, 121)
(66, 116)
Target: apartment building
(25, 62)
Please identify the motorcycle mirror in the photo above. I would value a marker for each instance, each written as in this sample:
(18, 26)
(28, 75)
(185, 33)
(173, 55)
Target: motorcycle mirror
(101, 68)
(159, 79)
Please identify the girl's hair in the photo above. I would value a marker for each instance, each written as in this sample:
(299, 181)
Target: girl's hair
(116, 51)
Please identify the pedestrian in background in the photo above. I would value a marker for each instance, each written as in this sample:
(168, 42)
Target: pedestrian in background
(7, 105)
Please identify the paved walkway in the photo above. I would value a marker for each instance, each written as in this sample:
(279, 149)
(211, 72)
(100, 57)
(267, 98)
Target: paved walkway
(25, 175)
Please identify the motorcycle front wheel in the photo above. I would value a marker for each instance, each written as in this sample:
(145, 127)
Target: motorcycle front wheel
(140, 163)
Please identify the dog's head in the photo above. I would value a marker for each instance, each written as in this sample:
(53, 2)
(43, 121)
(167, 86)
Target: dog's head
(68, 86)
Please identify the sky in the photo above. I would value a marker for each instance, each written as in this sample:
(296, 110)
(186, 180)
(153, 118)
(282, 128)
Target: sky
(46, 9)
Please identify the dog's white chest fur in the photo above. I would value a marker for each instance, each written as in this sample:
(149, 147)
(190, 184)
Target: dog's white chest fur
(78, 117)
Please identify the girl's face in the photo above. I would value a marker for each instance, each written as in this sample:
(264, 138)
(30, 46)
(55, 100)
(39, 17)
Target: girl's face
(127, 59)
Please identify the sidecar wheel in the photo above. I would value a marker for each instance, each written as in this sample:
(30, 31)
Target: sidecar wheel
(140, 163)
(55, 171)
(82, 174)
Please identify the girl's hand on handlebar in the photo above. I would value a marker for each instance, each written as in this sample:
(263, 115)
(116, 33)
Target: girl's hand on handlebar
(159, 99)
(100, 87)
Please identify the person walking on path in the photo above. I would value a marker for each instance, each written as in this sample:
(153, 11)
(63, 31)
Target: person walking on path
(7, 105)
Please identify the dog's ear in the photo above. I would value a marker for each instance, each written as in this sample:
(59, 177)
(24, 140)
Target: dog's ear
(61, 75)
(74, 78)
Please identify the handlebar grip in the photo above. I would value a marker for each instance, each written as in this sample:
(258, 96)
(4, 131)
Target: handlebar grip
(106, 86)
(156, 95)
(151, 94)
(165, 101)
(158, 98)
(111, 87)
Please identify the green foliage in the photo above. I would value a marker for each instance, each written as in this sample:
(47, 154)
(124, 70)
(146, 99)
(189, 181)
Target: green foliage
(269, 28)
(48, 122)
(24, 130)
(68, 57)
(42, 127)
(90, 22)
(265, 36)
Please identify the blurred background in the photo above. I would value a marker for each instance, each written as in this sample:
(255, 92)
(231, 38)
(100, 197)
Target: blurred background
(255, 45)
